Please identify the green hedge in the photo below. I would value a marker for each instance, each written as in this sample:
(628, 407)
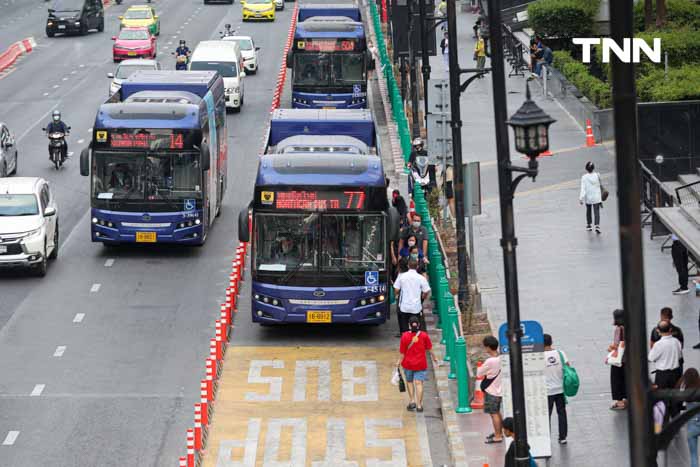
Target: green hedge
(562, 18)
(682, 45)
(679, 13)
(577, 73)
(682, 84)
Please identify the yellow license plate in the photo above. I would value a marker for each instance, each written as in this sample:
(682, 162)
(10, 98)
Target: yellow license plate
(331, 108)
(318, 316)
(132, 54)
(145, 237)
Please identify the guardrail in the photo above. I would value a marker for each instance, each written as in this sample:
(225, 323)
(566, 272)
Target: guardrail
(445, 308)
(688, 194)
(514, 51)
(653, 196)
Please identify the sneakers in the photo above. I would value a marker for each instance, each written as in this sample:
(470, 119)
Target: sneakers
(681, 291)
(589, 228)
(562, 441)
(597, 230)
(696, 346)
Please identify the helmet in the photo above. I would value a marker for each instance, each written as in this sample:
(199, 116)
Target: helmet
(418, 142)
(182, 42)
(56, 115)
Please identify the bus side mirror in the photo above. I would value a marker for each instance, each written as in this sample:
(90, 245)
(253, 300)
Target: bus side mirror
(243, 225)
(394, 221)
(289, 59)
(205, 156)
(85, 162)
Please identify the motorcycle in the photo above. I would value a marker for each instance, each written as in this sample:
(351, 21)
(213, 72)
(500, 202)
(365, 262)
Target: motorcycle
(181, 61)
(227, 31)
(57, 140)
(420, 172)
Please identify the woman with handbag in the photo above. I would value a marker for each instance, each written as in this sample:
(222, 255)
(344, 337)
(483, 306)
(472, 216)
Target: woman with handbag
(616, 359)
(592, 195)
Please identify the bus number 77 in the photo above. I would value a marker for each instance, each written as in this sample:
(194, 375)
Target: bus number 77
(358, 197)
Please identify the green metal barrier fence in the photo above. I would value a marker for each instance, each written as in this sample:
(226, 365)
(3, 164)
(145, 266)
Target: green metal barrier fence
(444, 303)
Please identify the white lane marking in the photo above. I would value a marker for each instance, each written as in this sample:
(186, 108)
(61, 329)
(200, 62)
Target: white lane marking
(90, 130)
(81, 141)
(78, 317)
(10, 438)
(82, 66)
(95, 288)
(73, 72)
(170, 42)
(38, 389)
(65, 78)
(55, 86)
(46, 94)
(60, 350)
(109, 263)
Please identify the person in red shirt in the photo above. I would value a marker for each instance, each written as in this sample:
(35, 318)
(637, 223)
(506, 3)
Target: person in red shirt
(414, 344)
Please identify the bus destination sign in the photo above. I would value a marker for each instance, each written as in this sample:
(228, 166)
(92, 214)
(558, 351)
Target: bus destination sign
(156, 139)
(326, 45)
(314, 200)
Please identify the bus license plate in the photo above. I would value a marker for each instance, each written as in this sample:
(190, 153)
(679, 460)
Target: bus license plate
(61, 26)
(145, 237)
(318, 316)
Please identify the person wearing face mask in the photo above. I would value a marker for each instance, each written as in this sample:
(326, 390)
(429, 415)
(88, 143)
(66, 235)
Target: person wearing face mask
(414, 344)
(417, 230)
(412, 251)
(56, 125)
(399, 203)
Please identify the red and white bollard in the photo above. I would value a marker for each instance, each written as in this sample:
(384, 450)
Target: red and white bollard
(198, 427)
(226, 324)
(205, 408)
(225, 312)
(221, 337)
(215, 348)
(183, 462)
(190, 447)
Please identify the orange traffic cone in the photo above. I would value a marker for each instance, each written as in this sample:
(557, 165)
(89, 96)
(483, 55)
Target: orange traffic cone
(546, 153)
(590, 141)
(478, 401)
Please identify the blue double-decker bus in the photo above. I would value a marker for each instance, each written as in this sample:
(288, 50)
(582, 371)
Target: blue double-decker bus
(321, 222)
(329, 58)
(157, 160)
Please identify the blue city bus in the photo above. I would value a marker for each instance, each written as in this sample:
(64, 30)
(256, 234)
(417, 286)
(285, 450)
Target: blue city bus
(321, 226)
(157, 159)
(329, 58)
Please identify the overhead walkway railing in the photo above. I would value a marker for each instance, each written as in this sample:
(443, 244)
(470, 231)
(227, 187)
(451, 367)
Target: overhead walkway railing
(445, 306)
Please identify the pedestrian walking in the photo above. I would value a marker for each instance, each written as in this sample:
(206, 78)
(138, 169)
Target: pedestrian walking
(399, 203)
(591, 196)
(618, 386)
(414, 344)
(509, 431)
(691, 382)
(420, 232)
(444, 46)
(666, 355)
(554, 361)
(480, 53)
(491, 386)
(410, 289)
(679, 254)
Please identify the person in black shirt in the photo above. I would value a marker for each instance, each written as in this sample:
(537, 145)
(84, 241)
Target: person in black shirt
(399, 203)
(509, 431)
(667, 315)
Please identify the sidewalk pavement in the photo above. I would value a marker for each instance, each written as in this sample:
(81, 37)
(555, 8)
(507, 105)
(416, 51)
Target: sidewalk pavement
(569, 278)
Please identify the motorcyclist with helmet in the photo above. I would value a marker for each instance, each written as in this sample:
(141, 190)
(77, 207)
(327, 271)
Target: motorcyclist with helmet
(227, 31)
(420, 169)
(56, 125)
(182, 51)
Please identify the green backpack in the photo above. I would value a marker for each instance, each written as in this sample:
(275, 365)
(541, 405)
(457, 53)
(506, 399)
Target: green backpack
(571, 381)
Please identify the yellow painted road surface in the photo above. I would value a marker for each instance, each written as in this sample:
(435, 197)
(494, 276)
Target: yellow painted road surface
(313, 406)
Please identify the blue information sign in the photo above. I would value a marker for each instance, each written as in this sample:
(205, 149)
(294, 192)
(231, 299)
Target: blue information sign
(531, 341)
(371, 278)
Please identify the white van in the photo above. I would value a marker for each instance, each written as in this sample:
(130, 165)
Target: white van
(224, 57)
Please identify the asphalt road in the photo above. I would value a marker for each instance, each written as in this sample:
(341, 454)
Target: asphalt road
(122, 390)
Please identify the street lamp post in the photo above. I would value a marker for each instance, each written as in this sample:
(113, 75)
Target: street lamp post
(531, 128)
(412, 72)
(425, 57)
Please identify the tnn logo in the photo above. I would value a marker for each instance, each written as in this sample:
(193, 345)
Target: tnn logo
(629, 52)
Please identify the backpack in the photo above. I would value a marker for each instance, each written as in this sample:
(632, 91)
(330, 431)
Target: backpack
(570, 378)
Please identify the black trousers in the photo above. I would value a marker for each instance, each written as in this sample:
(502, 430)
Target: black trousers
(617, 382)
(560, 402)
(596, 213)
(667, 379)
(680, 260)
(403, 320)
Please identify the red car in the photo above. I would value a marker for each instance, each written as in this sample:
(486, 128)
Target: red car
(134, 43)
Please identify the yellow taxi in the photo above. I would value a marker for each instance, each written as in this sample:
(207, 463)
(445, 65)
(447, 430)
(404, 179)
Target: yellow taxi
(141, 16)
(258, 10)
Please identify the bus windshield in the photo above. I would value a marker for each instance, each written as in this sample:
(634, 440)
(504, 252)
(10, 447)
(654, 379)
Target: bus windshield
(348, 68)
(152, 176)
(326, 242)
(311, 69)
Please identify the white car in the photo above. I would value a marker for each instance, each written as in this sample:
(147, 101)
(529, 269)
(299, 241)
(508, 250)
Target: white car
(279, 4)
(126, 68)
(28, 223)
(248, 50)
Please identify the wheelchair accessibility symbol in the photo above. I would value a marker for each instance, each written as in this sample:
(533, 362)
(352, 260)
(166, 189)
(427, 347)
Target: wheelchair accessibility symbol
(371, 278)
(190, 204)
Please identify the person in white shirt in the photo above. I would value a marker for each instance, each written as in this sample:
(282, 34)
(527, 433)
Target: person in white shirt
(666, 355)
(554, 361)
(591, 196)
(410, 289)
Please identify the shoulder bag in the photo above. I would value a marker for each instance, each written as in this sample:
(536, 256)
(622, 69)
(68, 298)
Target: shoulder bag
(571, 380)
(603, 192)
(486, 382)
